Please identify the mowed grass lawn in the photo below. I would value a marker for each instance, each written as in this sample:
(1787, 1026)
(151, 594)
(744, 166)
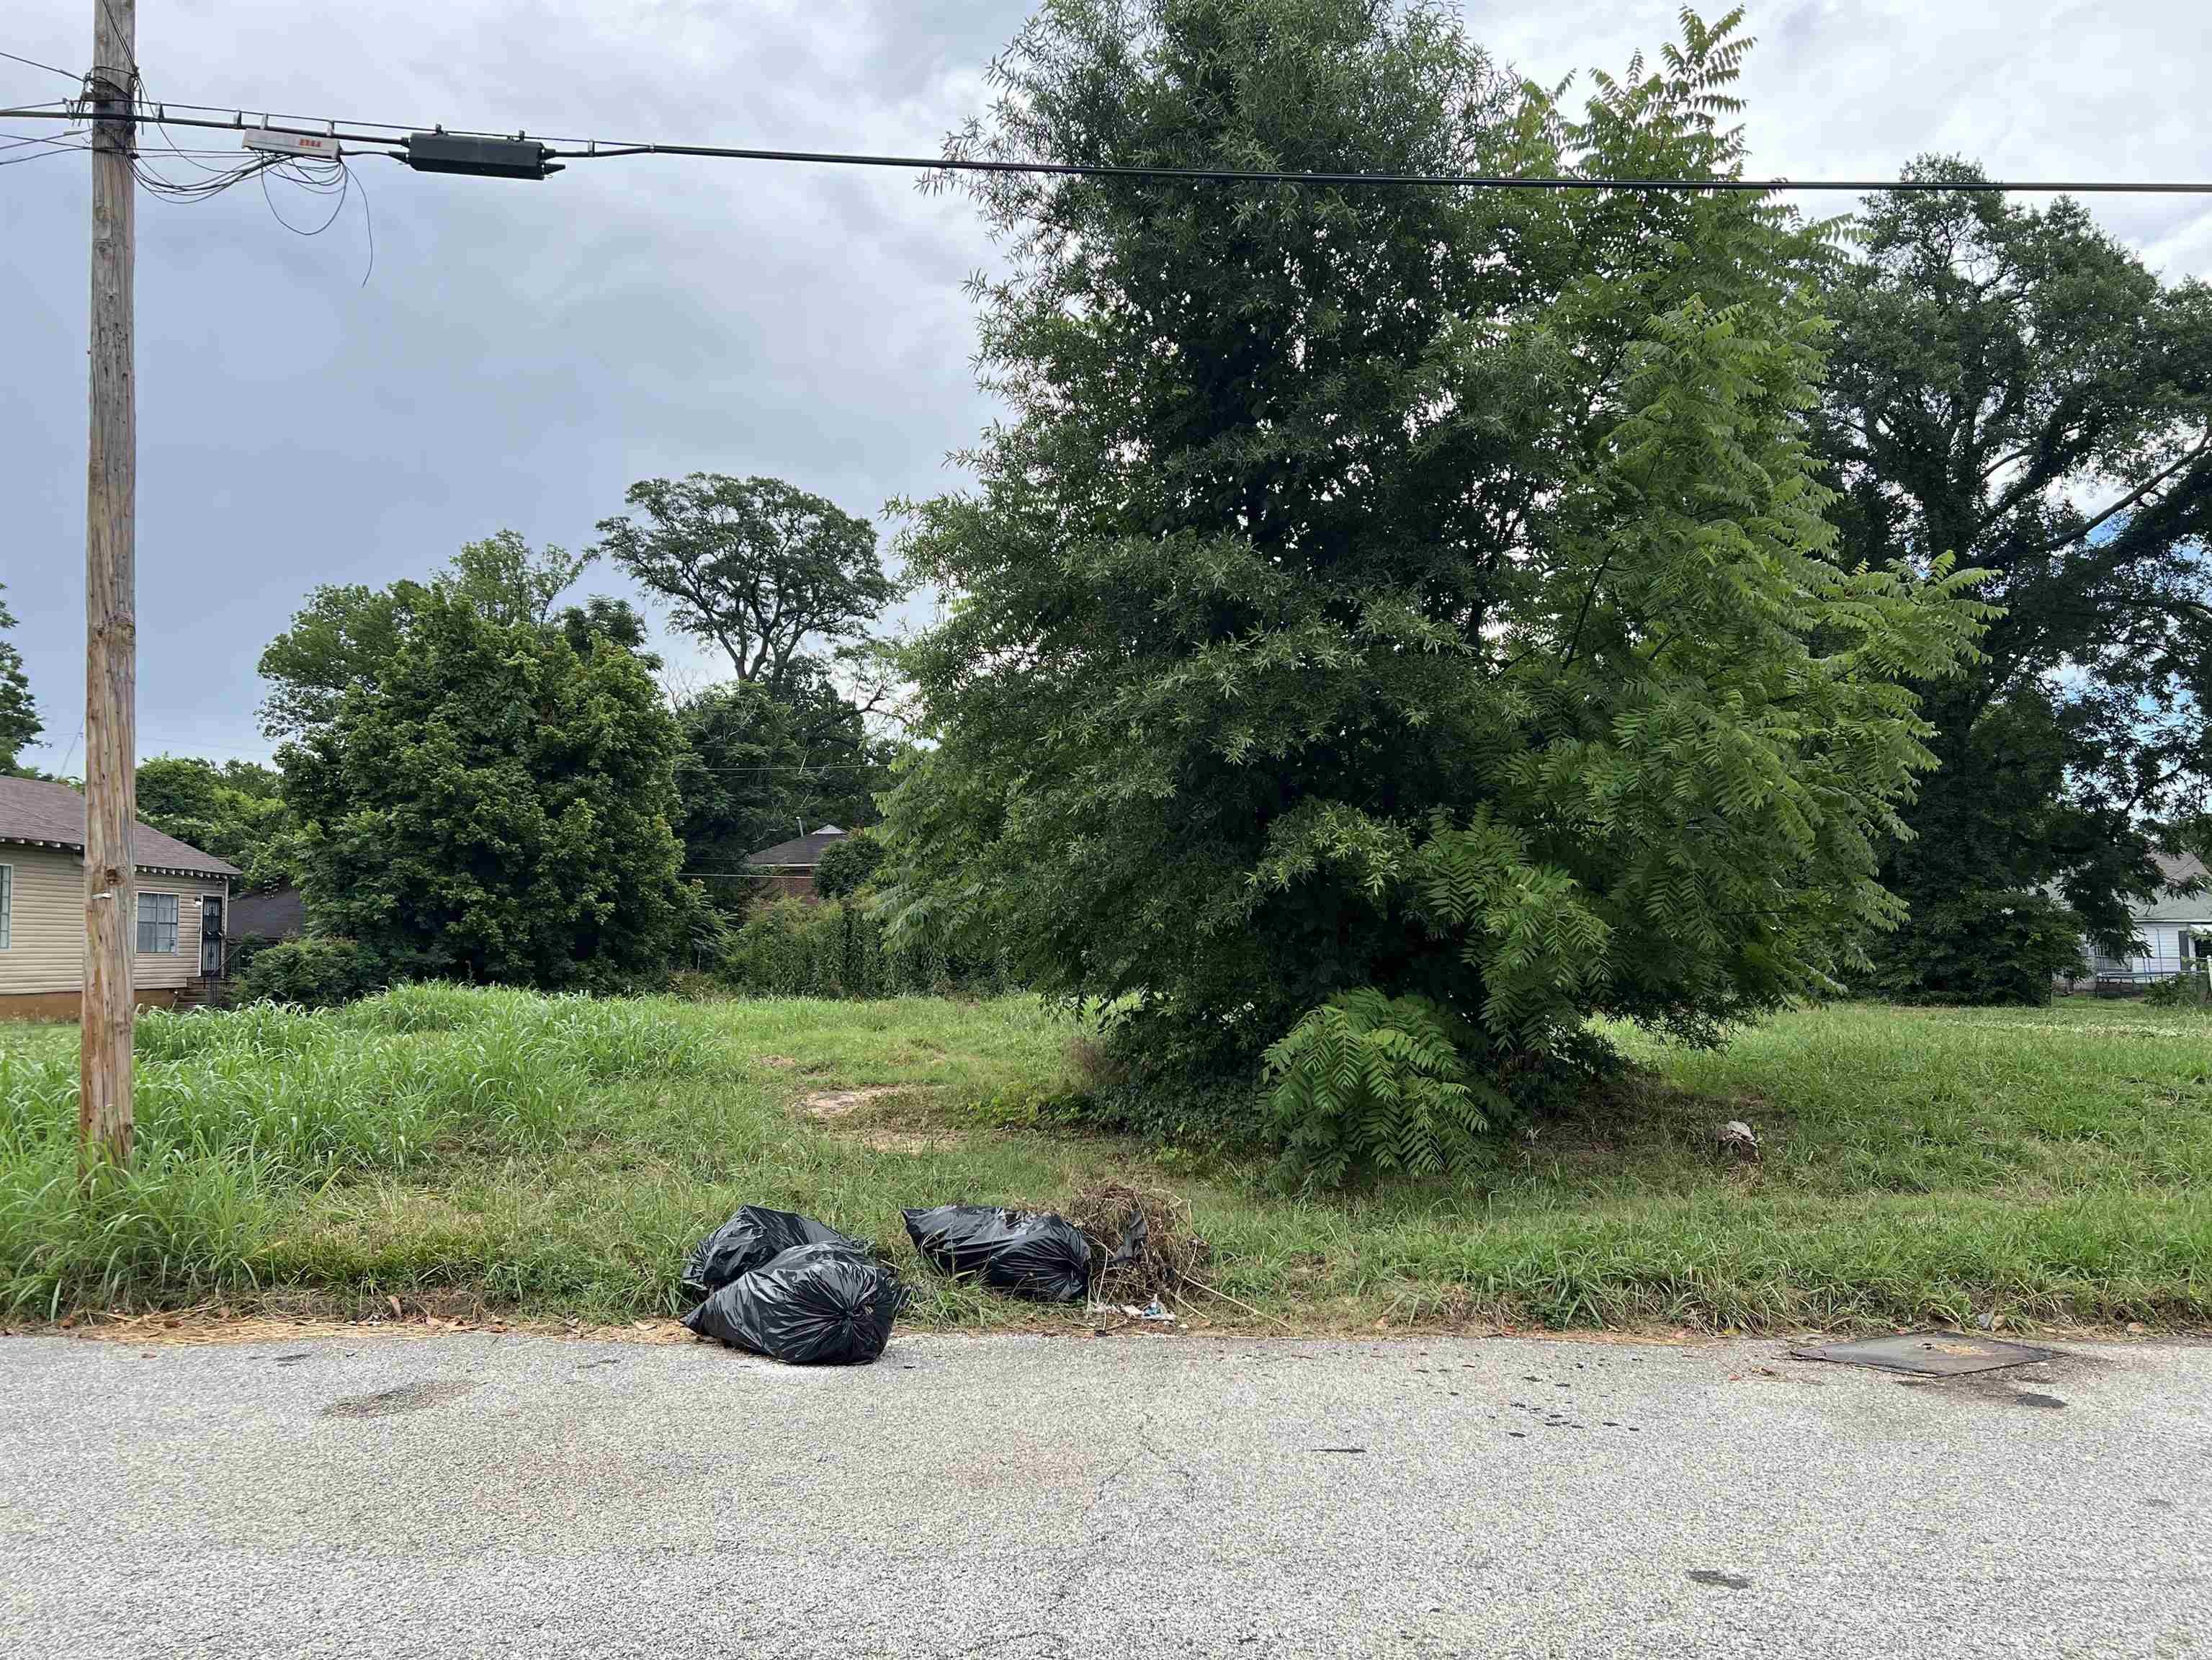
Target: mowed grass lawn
(470, 1151)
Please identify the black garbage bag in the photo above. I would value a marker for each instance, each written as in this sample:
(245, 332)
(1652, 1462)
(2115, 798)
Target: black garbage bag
(824, 1304)
(1029, 1253)
(750, 1238)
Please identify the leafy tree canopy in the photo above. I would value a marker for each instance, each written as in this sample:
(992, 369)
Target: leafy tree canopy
(496, 804)
(346, 635)
(19, 711)
(767, 573)
(2009, 385)
(848, 866)
(760, 763)
(1413, 589)
(233, 811)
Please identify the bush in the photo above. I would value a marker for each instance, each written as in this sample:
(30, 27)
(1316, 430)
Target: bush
(847, 866)
(2191, 989)
(1368, 1083)
(238, 955)
(1981, 945)
(788, 948)
(312, 973)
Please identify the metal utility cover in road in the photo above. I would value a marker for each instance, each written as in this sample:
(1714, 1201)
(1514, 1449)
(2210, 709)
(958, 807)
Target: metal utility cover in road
(1930, 1354)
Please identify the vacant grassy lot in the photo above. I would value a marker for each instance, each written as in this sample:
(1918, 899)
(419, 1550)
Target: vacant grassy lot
(464, 1150)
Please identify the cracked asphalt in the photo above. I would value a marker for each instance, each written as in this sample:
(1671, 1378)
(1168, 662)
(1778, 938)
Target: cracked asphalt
(467, 1495)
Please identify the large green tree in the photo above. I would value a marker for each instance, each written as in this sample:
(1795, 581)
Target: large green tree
(2010, 385)
(789, 588)
(496, 804)
(773, 576)
(235, 811)
(19, 711)
(346, 635)
(760, 765)
(1414, 589)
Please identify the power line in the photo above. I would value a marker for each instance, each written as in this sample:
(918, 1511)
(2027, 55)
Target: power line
(601, 150)
(66, 75)
(1453, 180)
(20, 139)
(58, 148)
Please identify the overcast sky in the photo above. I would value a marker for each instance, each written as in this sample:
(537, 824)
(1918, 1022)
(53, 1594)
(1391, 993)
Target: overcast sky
(523, 351)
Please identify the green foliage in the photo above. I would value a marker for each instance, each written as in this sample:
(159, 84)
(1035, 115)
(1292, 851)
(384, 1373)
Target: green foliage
(758, 761)
(1974, 868)
(315, 973)
(759, 568)
(346, 638)
(2010, 383)
(1368, 1083)
(1980, 944)
(495, 807)
(848, 866)
(241, 1115)
(789, 948)
(506, 580)
(786, 584)
(19, 710)
(558, 1156)
(341, 639)
(1416, 590)
(2190, 988)
(233, 811)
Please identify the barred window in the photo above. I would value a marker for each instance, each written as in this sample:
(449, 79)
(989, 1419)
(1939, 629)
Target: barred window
(157, 924)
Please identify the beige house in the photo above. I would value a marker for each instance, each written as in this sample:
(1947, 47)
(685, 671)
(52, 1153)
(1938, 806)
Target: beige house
(182, 895)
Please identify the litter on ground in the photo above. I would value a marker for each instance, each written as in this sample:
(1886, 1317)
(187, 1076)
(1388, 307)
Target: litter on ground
(824, 1304)
(1027, 1253)
(751, 1237)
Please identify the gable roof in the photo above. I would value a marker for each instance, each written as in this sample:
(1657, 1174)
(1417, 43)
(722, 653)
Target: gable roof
(279, 914)
(2178, 867)
(802, 853)
(2169, 906)
(41, 814)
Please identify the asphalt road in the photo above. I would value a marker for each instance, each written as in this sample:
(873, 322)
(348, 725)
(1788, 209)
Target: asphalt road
(1123, 1498)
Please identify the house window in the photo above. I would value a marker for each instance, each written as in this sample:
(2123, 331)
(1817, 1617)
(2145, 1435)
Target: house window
(7, 904)
(157, 924)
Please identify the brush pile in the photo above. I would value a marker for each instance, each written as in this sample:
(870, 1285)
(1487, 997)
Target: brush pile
(1146, 1244)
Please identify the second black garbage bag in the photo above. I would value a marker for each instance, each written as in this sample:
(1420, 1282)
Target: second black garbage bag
(752, 1236)
(1029, 1253)
(824, 1305)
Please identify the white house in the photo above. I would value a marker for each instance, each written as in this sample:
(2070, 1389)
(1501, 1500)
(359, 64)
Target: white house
(182, 895)
(2175, 932)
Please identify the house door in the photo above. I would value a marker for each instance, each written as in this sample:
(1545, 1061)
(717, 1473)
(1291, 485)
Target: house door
(211, 936)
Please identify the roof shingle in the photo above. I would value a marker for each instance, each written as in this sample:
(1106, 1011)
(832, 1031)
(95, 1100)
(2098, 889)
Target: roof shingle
(33, 810)
(804, 853)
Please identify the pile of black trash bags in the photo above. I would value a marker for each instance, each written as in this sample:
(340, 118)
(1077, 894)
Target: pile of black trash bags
(796, 1290)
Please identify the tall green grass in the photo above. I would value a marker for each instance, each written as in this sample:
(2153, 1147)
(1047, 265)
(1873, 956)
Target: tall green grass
(236, 1114)
(560, 1155)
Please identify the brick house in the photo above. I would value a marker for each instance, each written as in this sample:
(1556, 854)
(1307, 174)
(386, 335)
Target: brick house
(788, 867)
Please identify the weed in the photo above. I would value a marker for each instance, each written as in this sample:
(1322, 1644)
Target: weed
(559, 1155)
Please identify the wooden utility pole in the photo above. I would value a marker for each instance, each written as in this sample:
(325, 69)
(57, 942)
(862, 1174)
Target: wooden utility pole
(110, 645)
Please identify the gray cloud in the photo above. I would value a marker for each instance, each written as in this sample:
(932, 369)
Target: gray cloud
(522, 351)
